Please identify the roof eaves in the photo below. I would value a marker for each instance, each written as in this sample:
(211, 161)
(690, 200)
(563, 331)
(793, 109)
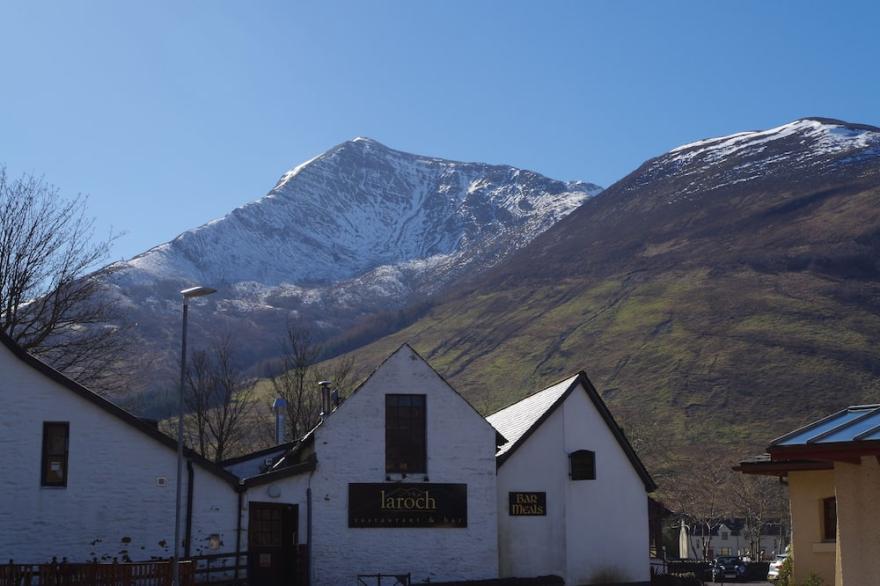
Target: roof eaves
(256, 454)
(307, 465)
(635, 461)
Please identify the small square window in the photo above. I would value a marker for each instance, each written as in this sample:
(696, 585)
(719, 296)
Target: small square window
(582, 465)
(56, 437)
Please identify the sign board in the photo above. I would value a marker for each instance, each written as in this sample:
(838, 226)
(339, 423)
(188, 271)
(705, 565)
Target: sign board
(407, 505)
(528, 504)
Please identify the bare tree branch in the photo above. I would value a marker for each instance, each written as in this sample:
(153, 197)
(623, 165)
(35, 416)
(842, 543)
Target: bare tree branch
(49, 304)
(297, 382)
(220, 399)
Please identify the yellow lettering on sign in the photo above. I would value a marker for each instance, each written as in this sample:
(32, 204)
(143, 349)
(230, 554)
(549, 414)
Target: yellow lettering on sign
(421, 501)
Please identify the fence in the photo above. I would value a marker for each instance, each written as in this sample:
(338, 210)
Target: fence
(383, 579)
(156, 573)
(220, 568)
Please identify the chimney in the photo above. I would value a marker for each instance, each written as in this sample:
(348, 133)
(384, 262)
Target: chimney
(279, 406)
(325, 397)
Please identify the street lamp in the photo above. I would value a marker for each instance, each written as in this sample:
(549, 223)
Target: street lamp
(187, 295)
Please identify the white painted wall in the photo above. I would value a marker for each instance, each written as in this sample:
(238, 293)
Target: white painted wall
(591, 525)
(112, 505)
(350, 448)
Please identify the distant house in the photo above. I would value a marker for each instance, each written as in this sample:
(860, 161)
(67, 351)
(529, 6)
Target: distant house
(572, 494)
(833, 471)
(731, 538)
(403, 477)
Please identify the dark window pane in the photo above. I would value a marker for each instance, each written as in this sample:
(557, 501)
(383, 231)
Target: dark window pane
(405, 445)
(583, 465)
(55, 443)
(829, 521)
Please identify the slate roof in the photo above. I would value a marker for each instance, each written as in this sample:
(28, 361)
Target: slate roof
(854, 424)
(514, 421)
(518, 421)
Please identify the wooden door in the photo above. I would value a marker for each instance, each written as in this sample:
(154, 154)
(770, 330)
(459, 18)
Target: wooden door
(272, 541)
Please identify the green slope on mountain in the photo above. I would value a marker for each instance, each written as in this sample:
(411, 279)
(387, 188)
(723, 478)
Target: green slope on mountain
(713, 310)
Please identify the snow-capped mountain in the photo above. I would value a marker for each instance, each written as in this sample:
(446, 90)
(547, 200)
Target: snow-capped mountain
(360, 206)
(357, 229)
(705, 195)
(820, 145)
(736, 274)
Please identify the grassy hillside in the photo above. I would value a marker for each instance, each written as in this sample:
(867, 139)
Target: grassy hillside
(710, 323)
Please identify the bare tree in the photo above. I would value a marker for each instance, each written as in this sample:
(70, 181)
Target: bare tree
(48, 301)
(339, 371)
(219, 398)
(299, 376)
(759, 499)
(701, 498)
(294, 382)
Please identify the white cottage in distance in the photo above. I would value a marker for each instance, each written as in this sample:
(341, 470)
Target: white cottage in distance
(404, 477)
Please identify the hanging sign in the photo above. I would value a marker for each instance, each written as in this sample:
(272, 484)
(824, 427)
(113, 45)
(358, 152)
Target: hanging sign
(407, 505)
(528, 504)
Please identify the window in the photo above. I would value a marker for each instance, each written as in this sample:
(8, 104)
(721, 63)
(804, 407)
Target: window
(583, 465)
(405, 443)
(54, 465)
(829, 519)
(725, 536)
(723, 551)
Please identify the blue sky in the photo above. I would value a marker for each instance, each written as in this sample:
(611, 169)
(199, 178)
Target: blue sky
(170, 114)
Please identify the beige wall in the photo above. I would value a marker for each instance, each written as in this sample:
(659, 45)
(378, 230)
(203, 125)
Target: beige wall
(858, 516)
(811, 555)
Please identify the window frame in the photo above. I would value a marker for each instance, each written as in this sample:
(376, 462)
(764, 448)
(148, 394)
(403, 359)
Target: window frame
(393, 435)
(829, 513)
(46, 458)
(574, 465)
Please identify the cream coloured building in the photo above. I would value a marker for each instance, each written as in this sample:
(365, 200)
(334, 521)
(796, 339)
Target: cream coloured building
(833, 474)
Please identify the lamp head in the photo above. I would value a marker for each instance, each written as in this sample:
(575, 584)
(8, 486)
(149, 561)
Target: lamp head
(197, 292)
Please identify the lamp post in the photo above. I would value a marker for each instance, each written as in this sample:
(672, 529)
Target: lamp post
(187, 295)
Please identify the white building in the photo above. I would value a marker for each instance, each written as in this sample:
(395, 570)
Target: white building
(403, 477)
(399, 479)
(572, 494)
(84, 479)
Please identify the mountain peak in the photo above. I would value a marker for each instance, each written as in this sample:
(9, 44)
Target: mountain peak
(814, 126)
(365, 140)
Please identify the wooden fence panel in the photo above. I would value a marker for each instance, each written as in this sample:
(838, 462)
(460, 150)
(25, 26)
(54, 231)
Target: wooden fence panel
(94, 574)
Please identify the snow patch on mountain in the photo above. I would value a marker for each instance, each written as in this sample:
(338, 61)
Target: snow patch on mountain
(823, 145)
(359, 229)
